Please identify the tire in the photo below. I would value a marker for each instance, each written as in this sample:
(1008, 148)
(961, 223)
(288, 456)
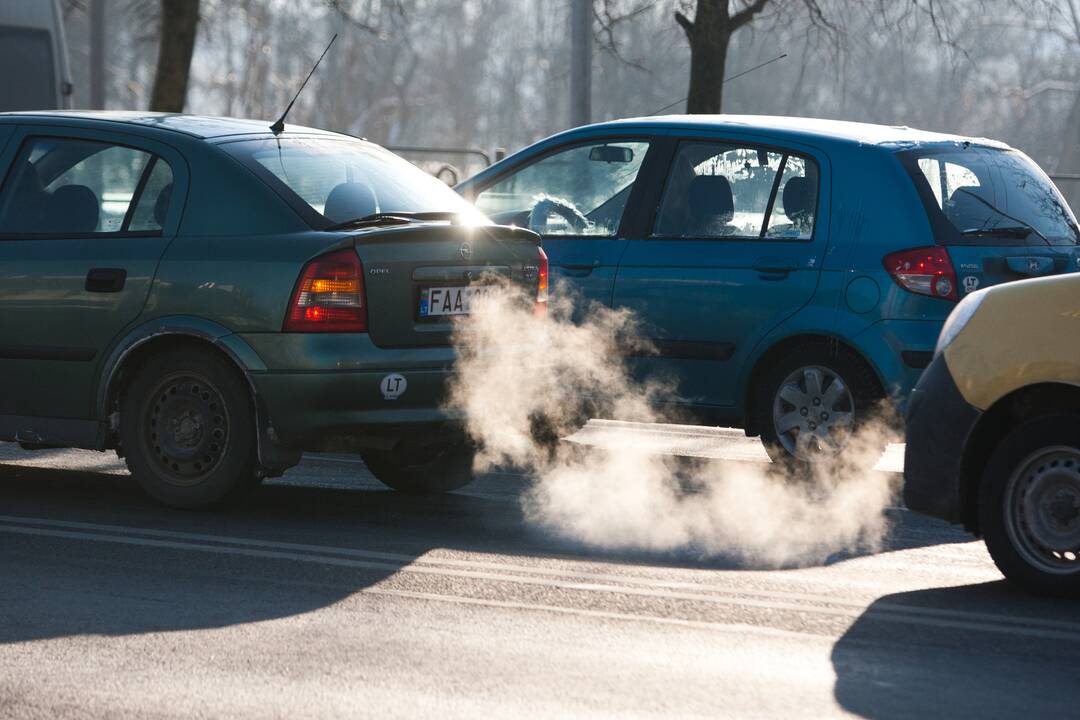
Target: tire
(1029, 505)
(187, 428)
(423, 470)
(856, 400)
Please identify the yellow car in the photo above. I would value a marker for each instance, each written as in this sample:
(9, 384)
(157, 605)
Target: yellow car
(994, 429)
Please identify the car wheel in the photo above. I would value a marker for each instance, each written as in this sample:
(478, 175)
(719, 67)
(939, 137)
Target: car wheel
(188, 429)
(811, 401)
(1029, 505)
(424, 470)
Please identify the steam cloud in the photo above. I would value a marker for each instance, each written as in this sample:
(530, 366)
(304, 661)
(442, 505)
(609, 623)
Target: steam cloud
(519, 372)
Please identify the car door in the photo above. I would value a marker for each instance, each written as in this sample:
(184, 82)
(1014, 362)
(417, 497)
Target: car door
(576, 197)
(84, 219)
(734, 249)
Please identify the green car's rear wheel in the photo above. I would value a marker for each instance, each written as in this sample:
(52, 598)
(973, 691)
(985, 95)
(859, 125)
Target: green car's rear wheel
(1029, 505)
(423, 470)
(188, 430)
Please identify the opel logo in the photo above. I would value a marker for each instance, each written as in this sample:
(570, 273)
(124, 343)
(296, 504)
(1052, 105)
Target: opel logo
(466, 251)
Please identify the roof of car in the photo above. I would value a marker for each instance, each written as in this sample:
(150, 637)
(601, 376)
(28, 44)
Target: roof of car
(800, 128)
(202, 126)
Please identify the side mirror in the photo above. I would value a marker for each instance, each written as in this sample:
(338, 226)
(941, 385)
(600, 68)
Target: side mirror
(611, 154)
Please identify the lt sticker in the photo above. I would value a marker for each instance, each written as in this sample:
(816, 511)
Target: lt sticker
(971, 283)
(393, 386)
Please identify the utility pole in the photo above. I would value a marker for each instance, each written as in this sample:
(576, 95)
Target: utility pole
(97, 54)
(580, 62)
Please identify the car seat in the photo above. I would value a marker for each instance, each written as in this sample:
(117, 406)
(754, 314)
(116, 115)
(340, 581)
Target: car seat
(73, 209)
(966, 210)
(712, 206)
(798, 202)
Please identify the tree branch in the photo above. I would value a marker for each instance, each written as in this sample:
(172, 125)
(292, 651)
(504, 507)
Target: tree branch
(684, 22)
(747, 14)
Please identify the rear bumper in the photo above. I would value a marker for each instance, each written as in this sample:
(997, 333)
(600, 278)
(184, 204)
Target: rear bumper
(325, 391)
(899, 349)
(939, 422)
(336, 410)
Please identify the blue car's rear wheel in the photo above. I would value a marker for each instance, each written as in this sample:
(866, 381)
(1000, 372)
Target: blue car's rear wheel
(187, 429)
(811, 401)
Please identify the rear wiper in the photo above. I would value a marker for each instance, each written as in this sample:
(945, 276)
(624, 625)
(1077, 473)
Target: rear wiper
(1002, 213)
(393, 218)
(1012, 231)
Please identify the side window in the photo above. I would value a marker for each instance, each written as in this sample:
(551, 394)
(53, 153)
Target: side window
(728, 190)
(80, 187)
(795, 207)
(579, 191)
(152, 204)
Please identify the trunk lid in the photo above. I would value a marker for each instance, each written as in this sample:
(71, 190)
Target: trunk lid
(979, 266)
(408, 264)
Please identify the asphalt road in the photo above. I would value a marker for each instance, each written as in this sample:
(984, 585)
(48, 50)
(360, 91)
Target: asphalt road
(326, 596)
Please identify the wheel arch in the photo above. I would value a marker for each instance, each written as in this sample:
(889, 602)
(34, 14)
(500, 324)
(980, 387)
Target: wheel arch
(166, 333)
(158, 334)
(785, 345)
(1007, 412)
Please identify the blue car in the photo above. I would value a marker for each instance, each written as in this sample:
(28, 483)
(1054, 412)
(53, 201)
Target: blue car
(791, 273)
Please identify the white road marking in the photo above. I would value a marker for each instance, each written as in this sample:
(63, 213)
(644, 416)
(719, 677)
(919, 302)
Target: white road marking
(345, 557)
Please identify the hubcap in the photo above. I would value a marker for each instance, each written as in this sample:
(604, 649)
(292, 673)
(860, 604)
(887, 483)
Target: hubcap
(813, 413)
(1042, 510)
(186, 428)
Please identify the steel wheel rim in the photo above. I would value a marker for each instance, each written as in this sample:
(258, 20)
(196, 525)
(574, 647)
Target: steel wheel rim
(813, 413)
(1042, 510)
(185, 428)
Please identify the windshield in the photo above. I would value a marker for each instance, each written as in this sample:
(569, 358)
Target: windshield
(332, 181)
(978, 195)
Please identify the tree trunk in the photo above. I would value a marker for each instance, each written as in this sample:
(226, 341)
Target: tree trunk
(179, 22)
(709, 35)
(707, 61)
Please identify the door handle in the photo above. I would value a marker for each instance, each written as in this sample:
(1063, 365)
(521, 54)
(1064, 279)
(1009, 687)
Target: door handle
(107, 280)
(771, 268)
(578, 267)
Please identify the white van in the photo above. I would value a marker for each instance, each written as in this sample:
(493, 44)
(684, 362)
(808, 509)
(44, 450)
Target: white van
(34, 72)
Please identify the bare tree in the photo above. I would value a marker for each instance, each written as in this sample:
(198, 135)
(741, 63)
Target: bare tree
(179, 23)
(709, 35)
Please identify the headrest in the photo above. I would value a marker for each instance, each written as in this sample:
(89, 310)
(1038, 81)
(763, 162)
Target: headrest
(710, 196)
(965, 210)
(797, 198)
(74, 209)
(350, 200)
(161, 205)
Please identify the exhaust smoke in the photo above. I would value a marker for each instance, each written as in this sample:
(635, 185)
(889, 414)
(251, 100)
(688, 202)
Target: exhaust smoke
(524, 379)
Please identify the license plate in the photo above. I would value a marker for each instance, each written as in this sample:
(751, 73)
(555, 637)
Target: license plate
(440, 301)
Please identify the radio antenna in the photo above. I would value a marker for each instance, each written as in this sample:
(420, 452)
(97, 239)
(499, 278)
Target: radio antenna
(279, 126)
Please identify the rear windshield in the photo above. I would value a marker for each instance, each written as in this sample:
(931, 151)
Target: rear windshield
(334, 180)
(987, 196)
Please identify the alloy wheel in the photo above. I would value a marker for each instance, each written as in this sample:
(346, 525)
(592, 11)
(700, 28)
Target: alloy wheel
(813, 413)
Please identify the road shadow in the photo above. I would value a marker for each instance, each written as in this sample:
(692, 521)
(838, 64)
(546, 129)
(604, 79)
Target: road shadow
(974, 651)
(70, 568)
(58, 582)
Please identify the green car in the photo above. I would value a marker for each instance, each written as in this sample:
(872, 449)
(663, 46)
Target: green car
(211, 299)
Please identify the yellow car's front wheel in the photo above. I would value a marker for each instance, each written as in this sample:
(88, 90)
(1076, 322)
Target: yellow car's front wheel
(1029, 505)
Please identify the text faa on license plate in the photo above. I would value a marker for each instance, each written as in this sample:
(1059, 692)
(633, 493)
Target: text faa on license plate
(449, 300)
